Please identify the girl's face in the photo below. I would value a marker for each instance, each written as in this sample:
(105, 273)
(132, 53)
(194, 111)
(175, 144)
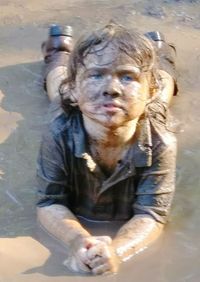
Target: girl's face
(110, 88)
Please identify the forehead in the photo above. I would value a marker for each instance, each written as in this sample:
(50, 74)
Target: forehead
(107, 55)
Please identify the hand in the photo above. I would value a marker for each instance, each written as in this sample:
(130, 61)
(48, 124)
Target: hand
(78, 260)
(102, 258)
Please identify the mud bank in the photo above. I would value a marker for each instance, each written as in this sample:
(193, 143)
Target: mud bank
(26, 252)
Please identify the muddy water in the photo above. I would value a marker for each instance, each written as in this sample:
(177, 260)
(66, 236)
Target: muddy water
(26, 252)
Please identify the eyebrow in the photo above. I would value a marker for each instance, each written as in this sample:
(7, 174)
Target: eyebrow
(128, 68)
(120, 68)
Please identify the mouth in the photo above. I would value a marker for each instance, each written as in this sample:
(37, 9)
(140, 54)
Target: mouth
(112, 106)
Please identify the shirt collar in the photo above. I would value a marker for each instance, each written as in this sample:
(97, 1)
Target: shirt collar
(141, 152)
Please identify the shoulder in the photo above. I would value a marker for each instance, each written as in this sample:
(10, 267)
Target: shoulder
(157, 110)
(158, 115)
(164, 143)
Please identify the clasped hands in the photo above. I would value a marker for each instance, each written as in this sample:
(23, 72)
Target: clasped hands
(93, 254)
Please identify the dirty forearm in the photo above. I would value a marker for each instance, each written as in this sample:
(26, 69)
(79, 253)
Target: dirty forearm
(135, 235)
(60, 222)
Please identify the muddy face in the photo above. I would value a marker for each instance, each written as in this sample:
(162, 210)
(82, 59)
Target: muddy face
(111, 89)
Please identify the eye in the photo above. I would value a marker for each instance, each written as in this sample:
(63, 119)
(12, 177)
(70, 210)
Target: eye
(126, 78)
(96, 76)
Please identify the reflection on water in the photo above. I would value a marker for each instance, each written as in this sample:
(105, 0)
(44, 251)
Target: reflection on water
(8, 122)
(34, 255)
(21, 251)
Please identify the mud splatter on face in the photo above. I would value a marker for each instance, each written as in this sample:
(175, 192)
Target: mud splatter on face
(110, 87)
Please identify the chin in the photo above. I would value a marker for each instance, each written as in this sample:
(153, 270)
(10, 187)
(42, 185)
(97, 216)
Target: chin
(108, 120)
(111, 123)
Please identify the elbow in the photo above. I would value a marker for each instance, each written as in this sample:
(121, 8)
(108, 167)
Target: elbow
(44, 214)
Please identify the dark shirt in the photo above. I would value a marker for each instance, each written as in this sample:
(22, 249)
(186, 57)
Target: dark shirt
(142, 183)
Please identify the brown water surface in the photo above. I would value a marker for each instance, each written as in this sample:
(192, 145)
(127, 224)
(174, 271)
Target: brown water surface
(26, 252)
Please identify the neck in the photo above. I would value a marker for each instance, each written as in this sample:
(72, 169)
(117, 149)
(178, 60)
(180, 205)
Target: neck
(110, 137)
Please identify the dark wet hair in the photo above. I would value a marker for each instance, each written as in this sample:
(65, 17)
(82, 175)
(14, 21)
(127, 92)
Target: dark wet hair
(130, 42)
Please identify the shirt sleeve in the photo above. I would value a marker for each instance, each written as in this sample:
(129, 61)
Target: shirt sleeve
(52, 173)
(156, 183)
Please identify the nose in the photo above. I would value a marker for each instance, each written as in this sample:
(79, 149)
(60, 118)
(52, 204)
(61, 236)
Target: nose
(112, 88)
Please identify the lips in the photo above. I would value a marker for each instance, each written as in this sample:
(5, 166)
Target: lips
(112, 106)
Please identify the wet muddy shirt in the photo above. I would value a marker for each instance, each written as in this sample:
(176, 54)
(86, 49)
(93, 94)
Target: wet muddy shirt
(142, 183)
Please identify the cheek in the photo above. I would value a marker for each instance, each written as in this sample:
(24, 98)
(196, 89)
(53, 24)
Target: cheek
(89, 91)
(133, 92)
(136, 101)
(137, 92)
(136, 86)
(136, 110)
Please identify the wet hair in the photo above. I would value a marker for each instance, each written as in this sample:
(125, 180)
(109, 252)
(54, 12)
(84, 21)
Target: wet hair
(135, 45)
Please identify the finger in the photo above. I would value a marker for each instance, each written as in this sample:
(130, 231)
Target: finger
(83, 267)
(105, 252)
(83, 256)
(96, 250)
(102, 269)
(76, 266)
(97, 261)
(100, 249)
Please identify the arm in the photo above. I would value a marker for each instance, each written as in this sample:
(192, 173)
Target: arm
(151, 208)
(54, 194)
(154, 197)
(135, 235)
(61, 223)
